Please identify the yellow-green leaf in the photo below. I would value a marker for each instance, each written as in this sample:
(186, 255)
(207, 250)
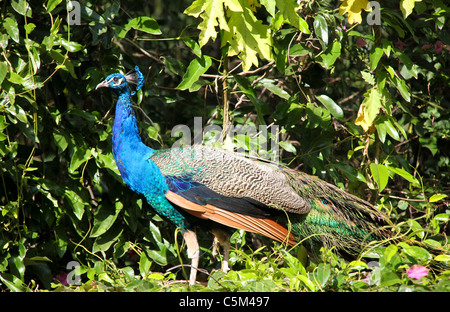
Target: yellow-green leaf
(213, 14)
(407, 7)
(369, 109)
(442, 258)
(436, 197)
(353, 8)
(247, 37)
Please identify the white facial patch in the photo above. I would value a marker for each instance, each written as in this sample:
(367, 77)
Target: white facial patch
(116, 81)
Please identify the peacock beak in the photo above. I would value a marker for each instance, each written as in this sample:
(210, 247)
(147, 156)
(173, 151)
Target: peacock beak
(102, 85)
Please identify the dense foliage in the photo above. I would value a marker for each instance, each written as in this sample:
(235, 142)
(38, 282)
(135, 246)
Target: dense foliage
(361, 99)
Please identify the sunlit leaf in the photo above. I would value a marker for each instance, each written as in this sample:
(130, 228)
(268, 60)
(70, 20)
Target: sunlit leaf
(437, 197)
(196, 68)
(381, 175)
(334, 109)
(369, 109)
(145, 24)
(12, 28)
(353, 8)
(329, 57)
(407, 6)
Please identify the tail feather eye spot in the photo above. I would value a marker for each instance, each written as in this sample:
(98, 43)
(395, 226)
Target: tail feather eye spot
(325, 202)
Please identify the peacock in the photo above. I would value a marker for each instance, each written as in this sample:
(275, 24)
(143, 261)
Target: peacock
(225, 189)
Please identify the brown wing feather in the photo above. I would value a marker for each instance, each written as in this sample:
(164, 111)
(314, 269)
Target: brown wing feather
(264, 226)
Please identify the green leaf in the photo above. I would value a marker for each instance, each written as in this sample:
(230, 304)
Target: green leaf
(416, 228)
(321, 29)
(144, 264)
(15, 78)
(298, 50)
(63, 62)
(350, 172)
(288, 147)
(270, 85)
(389, 278)
(104, 219)
(416, 252)
(375, 57)
(12, 282)
(3, 71)
(330, 56)
(22, 7)
(389, 255)
(357, 265)
(368, 77)
(12, 28)
(76, 202)
(193, 45)
(79, 157)
(29, 27)
(196, 68)
(403, 88)
(71, 46)
(105, 241)
(442, 217)
(60, 141)
(437, 197)
(405, 174)
(381, 175)
(289, 10)
(18, 112)
(381, 131)
(331, 105)
(52, 4)
(322, 274)
(391, 130)
(145, 24)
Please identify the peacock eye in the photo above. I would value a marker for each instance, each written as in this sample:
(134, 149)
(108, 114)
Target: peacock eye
(115, 79)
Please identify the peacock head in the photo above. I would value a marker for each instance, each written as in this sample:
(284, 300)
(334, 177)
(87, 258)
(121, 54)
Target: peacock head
(121, 83)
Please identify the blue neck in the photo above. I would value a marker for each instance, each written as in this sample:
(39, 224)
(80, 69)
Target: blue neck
(133, 158)
(125, 130)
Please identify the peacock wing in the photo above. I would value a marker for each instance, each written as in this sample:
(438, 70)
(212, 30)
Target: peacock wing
(212, 184)
(206, 175)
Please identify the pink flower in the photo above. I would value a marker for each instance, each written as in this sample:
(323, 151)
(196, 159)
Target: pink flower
(417, 271)
(62, 278)
(438, 46)
(400, 44)
(361, 42)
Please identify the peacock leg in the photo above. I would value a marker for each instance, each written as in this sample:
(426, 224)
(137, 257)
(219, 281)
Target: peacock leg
(193, 251)
(226, 256)
(222, 237)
